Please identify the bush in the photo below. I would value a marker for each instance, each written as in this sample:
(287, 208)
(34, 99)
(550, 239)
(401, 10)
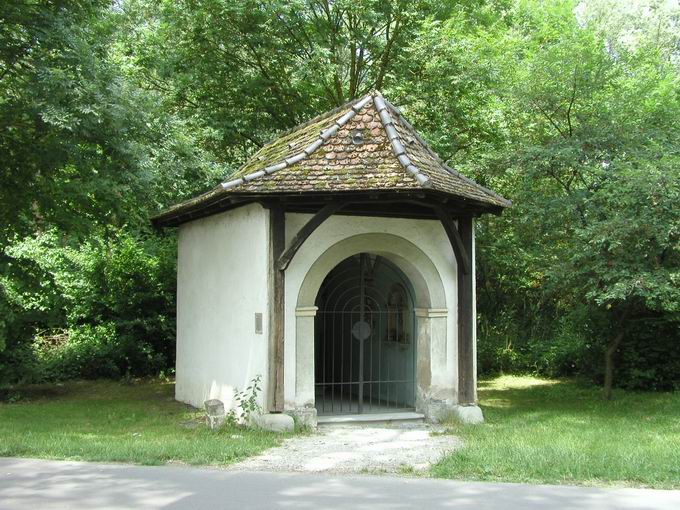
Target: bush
(507, 352)
(497, 348)
(102, 308)
(85, 352)
(649, 358)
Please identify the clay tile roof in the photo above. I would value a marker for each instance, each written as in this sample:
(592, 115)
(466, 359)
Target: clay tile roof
(365, 145)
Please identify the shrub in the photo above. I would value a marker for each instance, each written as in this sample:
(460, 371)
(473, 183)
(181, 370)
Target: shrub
(102, 308)
(86, 352)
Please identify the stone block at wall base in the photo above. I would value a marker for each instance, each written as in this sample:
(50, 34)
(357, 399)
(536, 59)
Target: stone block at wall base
(438, 411)
(304, 416)
(468, 414)
(435, 410)
(214, 413)
(275, 422)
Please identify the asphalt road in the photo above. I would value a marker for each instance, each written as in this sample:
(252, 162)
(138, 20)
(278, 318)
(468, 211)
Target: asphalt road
(37, 484)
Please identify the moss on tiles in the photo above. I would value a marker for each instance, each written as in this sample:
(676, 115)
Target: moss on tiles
(372, 165)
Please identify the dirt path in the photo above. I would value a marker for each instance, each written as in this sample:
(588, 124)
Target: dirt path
(358, 449)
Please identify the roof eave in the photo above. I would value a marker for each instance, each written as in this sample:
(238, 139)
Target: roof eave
(219, 200)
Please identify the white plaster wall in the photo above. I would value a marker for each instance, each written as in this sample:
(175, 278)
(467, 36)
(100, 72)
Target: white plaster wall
(222, 281)
(428, 235)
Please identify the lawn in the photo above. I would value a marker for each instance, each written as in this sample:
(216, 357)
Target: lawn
(536, 431)
(110, 421)
(542, 431)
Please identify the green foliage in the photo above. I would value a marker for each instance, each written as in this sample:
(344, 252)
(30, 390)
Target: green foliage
(246, 405)
(83, 144)
(86, 155)
(631, 240)
(102, 309)
(588, 256)
(246, 69)
(571, 109)
(652, 359)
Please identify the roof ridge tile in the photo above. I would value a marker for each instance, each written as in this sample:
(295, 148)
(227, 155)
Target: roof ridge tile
(307, 151)
(438, 158)
(382, 152)
(397, 147)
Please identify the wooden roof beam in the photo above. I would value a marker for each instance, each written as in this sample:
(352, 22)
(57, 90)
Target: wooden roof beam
(322, 215)
(462, 256)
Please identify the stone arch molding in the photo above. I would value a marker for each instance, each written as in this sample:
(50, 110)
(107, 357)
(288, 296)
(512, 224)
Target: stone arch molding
(431, 311)
(420, 270)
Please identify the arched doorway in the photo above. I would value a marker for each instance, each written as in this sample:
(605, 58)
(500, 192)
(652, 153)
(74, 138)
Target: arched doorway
(425, 273)
(365, 338)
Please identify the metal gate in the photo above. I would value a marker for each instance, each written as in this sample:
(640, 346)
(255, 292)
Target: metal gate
(365, 346)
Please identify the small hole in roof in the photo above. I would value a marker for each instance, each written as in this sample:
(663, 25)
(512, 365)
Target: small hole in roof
(357, 137)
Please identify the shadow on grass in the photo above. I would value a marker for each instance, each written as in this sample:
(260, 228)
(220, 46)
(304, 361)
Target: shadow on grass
(104, 389)
(565, 432)
(516, 395)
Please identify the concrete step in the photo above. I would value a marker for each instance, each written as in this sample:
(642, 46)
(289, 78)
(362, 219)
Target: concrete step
(404, 417)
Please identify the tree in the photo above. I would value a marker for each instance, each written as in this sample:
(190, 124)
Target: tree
(594, 136)
(247, 69)
(111, 111)
(85, 156)
(82, 145)
(628, 264)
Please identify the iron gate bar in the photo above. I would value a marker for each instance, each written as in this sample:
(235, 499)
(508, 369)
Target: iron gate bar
(384, 377)
(362, 317)
(340, 393)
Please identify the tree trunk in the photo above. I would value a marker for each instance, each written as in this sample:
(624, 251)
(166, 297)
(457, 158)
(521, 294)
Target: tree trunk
(609, 364)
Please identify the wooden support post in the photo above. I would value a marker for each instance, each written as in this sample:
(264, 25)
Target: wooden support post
(466, 349)
(277, 236)
(280, 258)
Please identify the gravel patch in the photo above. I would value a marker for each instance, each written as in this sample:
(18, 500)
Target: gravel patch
(400, 448)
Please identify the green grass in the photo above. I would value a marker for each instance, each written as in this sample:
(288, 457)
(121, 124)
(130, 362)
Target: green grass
(542, 431)
(536, 431)
(109, 421)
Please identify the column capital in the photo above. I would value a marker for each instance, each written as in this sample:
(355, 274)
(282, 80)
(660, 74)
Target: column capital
(431, 312)
(306, 311)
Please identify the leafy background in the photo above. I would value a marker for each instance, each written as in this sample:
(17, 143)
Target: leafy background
(110, 111)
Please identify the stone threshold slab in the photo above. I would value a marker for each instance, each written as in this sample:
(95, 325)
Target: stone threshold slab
(369, 418)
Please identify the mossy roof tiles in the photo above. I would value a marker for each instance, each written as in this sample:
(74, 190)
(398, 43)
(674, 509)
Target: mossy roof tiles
(366, 145)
